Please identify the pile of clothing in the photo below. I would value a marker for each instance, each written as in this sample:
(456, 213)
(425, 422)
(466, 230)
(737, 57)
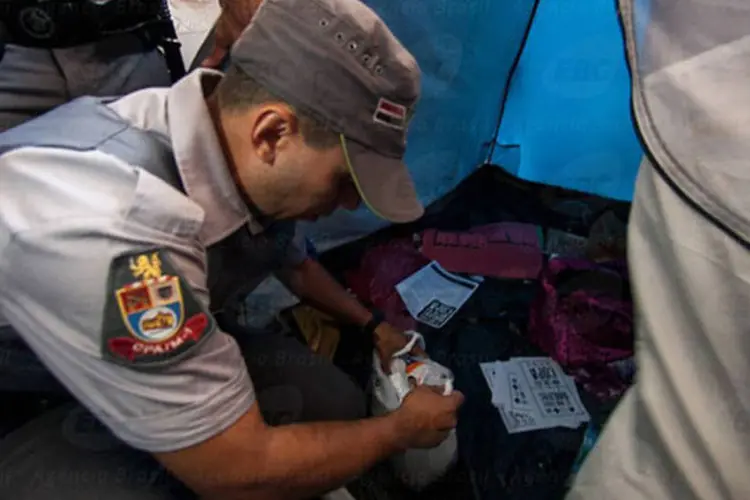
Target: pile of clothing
(554, 283)
(581, 315)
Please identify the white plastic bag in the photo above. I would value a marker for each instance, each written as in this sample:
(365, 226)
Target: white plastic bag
(417, 468)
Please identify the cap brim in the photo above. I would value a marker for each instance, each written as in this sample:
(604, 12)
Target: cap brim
(384, 183)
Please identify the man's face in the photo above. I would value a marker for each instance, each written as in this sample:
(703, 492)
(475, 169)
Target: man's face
(313, 182)
(281, 174)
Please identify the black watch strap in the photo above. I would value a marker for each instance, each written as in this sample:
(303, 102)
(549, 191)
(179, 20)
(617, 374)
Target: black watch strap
(377, 318)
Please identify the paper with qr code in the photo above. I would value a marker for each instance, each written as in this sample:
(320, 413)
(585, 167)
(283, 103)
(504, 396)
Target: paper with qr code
(432, 295)
(534, 393)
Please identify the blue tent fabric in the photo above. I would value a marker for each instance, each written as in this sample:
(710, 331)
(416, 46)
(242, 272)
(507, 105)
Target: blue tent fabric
(539, 88)
(566, 120)
(568, 110)
(465, 50)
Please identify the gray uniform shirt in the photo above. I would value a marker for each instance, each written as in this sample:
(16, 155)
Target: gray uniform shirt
(66, 216)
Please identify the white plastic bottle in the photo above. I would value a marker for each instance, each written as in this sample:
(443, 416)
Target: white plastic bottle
(416, 467)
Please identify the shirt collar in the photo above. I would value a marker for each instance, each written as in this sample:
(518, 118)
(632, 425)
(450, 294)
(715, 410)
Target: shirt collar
(200, 158)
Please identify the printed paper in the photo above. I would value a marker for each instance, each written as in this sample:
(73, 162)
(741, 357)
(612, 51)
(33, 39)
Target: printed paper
(534, 393)
(432, 295)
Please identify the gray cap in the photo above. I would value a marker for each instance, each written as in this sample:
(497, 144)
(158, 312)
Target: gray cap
(338, 62)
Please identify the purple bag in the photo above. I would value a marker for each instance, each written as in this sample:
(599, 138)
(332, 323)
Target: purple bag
(583, 319)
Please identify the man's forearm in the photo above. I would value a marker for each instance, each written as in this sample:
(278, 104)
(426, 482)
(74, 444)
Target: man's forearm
(314, 285)
(303, 460)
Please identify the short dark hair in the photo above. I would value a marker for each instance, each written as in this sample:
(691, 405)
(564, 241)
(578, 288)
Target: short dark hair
(238, 91)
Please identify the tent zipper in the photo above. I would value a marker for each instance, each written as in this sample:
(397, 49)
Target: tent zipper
(508, 83)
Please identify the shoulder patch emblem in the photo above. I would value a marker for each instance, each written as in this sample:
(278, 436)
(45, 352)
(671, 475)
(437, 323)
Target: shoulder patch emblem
(152, 317)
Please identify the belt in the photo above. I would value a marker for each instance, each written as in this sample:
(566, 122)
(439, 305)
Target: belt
(67, 23)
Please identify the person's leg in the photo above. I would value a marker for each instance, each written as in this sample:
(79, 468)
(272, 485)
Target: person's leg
(65, 454)
(115, 66)
(34, 81)
(20, 369)
(31, 84)
(296, 385)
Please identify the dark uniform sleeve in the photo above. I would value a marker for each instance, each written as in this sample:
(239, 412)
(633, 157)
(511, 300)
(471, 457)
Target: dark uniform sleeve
(296, 252)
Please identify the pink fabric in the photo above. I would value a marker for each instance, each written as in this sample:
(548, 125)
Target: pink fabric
(582, 325)
(381, 269)
(503, 250)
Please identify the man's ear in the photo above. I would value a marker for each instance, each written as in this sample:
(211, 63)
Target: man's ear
(273, 127)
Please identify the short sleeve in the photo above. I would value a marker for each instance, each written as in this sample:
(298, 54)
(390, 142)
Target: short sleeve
(139, 348)
(59, 309)
(296, 252)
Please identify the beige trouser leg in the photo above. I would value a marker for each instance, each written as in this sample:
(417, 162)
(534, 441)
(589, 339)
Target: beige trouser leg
(33, 81)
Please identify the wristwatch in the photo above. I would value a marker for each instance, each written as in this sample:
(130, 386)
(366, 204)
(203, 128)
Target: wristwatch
(377, 318)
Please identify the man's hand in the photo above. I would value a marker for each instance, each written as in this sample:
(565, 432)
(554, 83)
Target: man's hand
(426, 416)
(313, 284)
(253, 460)
(388, 341)
(234, 18)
